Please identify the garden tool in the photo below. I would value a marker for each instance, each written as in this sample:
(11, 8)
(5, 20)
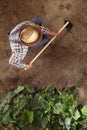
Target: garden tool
(68, 25)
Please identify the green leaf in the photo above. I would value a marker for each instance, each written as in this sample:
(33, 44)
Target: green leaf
(37, 102)
(27, 89)
(68, 123)
(18, 98)
(64, 107)
(72, 109)
(29, 116)
(6, 108)
(6, 118)
(57, 108)
(76, 115)
(47, 89)
(19, 89)
(12, 128)
(84, 123)
(84, 111)
(61, 122)
(44, 122)
(17, 107)
(38, 115)
(6, 99)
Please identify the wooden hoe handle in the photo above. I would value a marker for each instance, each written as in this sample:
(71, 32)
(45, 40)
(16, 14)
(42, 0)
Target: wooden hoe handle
(49, 43)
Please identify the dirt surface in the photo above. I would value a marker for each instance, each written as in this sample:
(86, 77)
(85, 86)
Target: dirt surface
(64, 62)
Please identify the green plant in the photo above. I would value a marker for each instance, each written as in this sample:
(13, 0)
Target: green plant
(42, 108)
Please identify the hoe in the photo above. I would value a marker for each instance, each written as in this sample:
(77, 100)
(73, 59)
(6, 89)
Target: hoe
(68, 25)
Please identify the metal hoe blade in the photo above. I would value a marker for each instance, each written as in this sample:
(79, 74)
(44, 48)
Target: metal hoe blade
(69, 26)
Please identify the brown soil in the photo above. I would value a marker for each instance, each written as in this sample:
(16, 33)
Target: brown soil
(64, 62)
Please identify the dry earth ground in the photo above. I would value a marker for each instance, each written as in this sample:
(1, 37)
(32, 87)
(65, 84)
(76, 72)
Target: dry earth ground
(64, 62)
